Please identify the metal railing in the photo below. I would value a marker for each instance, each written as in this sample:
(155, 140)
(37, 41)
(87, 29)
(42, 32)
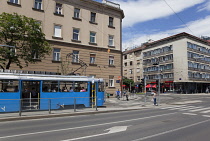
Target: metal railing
(57, 105)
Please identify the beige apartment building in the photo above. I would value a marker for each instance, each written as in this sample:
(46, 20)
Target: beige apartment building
(133, 66)
(181, 62)
(89, 31)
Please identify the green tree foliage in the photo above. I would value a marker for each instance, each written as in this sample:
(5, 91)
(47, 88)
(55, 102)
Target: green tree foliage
(127, 82)
(26, 36)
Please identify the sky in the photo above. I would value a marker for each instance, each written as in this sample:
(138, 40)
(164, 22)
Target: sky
(156, 19)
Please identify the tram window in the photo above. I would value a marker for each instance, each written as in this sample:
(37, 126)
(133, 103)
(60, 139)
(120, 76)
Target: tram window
(101, 87)
(81, 86)
(67, 86)
(50, 86)
(9, 86)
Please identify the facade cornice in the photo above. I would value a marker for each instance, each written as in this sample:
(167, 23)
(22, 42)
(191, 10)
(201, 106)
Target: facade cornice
(176, 37)
(95, 48)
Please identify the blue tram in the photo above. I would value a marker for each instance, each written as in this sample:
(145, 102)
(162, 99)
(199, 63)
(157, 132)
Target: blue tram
(39, 92)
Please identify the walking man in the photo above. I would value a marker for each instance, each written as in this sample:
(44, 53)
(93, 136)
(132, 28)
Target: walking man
(118, 94)
(154, 98)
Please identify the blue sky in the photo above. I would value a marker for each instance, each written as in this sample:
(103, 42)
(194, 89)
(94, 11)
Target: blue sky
(157, 19)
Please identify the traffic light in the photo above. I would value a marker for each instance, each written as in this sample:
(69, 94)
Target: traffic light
(157, 82)
(142, 81)
(107, 84)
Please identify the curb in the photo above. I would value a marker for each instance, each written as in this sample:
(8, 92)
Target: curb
(61, 115)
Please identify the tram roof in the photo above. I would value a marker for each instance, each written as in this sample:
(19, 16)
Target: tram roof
(17, 76)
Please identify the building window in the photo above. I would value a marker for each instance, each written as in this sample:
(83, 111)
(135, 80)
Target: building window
(131, 71)
(14, 1)
(56, 54)
(76, 13)
(75, 34)
(125, 64)
(111, 21)
(57, 31)
(138, 70)
(92, 58)
(58, 9)
(111, 81)
(131, 63)
(75, 56)
(125, 57)
(92, 17)
(38, 4)
(92, 37)
(138, 78)
(111, 40)
(35, 55)
(111, 60)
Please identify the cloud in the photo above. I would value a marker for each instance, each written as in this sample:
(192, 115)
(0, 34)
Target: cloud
(137, 11)
(205, 6)
(201, 24)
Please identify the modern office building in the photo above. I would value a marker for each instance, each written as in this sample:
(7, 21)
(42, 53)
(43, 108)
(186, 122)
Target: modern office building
(181, 62)
(88, 29)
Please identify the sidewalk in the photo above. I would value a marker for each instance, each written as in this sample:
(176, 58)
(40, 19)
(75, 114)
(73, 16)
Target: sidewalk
(111, 105)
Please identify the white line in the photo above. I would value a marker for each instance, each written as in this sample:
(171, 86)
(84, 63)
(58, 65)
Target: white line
(169, 131)
(206, 115)
(185, 109)
(200, 109)
(204, 112)
(42, 132)
(172, 107)
(189, 114)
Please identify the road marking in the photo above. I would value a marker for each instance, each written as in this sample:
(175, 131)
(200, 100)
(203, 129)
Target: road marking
(188, 102)
(111, 131)
(185, 109)
(172, 107)
(72, 128)
(189, 114)
(204, 112)
(206, 115)
(201, 109)
(173, 130)
(116, 129)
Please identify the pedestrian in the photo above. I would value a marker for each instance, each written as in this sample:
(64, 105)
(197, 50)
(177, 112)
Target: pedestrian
(118, 94)
(207, 90)
(126, 95)
(154, 98)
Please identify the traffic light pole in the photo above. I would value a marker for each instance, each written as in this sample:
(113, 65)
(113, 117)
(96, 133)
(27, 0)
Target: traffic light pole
(145, 91)
(159, 84)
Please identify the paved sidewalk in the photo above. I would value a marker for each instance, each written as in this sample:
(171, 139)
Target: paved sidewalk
(111, 105)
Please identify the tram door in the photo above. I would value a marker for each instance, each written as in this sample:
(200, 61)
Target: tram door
(92, 94)
(30, 95)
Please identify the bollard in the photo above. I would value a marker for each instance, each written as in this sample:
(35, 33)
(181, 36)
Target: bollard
(49, 105)
(96, 104)
(74, 104)
(20, 107)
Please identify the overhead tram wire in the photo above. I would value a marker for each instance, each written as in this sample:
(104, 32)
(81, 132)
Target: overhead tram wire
(178, 17)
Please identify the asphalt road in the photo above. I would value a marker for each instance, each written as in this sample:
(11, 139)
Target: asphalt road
(186, 118)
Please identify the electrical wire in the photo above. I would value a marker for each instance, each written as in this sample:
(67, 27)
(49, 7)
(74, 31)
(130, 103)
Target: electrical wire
(178, 17)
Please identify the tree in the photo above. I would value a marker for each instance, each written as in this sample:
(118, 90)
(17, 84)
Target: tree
(25, 42)
(128, 82)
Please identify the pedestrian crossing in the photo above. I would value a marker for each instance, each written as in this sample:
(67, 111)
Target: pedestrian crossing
(190, 110)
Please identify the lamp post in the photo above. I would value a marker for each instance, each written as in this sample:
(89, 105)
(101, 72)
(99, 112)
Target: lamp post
(157, 64)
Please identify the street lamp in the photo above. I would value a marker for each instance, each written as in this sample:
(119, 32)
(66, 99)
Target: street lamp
(157, 64)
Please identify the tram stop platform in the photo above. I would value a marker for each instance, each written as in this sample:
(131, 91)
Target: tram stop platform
(135, 102)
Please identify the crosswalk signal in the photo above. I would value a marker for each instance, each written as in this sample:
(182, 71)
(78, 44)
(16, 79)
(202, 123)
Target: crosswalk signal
(142, 81)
